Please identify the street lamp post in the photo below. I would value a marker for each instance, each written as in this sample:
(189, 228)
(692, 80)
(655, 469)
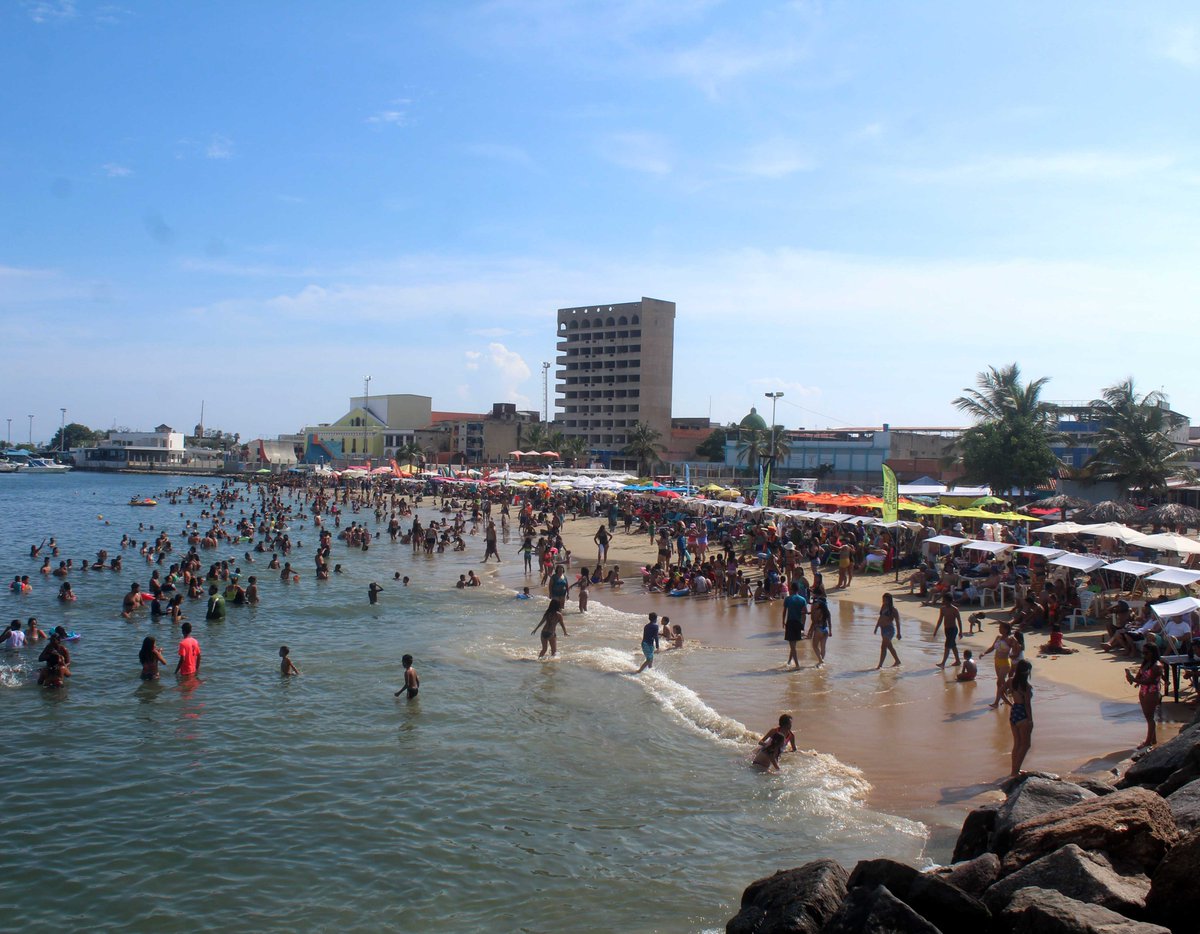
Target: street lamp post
(31, 432)
(773, 396)
(62, 431)
(10, 432)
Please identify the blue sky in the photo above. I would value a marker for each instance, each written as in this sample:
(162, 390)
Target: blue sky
(860, 204)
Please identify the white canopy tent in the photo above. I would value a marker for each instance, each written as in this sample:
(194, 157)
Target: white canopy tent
(1039, 551)
(949, 540)
(1059, 528)
(993, 548)
(1083, 563)
(1133, 568)
(1177, 576)
(1114, 530)
(1180, 607)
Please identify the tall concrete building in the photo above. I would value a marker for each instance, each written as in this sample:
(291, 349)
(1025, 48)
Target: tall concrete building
(615, 369)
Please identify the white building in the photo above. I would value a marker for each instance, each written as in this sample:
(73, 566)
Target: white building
(160, 449)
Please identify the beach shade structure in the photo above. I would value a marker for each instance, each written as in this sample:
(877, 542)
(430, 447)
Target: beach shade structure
(729, 494)
(1178, 577)
(712, 488)
(1085, 563)
(380, 471)
(667, 494)
(548, 453)
(1013, 517)
(1132, 568)
(263, 470)
(992, 548)
(1061, 501)
(1180, 607)
(1169, 541)
(950, 541)
(516, 453)
(989, 500)
(1114, 530)
(1060, 528)
(1039, 551)
(1108, 511)
(1171, 514)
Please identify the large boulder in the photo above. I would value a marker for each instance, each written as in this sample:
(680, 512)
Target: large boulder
(1133, 828)
(1156, 765)
(793, 901)
(930, 896)
(975, 838)
(1185, 806)
(1187, 773)
(1174, 893)
(1032, 798)
(973, 876)
(1077, 874)
(1044, 911)
(875, 910)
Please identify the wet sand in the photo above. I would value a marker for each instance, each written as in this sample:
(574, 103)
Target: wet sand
(930, 747)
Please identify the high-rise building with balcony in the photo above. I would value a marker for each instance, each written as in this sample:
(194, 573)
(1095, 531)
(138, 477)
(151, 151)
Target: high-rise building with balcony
(615, 369)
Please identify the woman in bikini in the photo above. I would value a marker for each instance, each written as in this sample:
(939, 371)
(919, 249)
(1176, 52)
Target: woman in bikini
(1003, 647)
(888, 627)
(549, 624)
(1020, 716)
(1149, 679)
(821, 624)
(151, 657)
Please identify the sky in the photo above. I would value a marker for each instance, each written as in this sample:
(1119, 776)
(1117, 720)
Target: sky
(861, 205)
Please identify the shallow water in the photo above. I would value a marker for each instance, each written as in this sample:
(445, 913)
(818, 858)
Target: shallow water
(513, 794)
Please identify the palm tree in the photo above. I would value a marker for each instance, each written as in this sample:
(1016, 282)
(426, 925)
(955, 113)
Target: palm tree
(1133, 443)
(754, 444)
(1001, 397)
(410, 453)
(778, 447)
(642, 442)
(573, 449)
(535, 437)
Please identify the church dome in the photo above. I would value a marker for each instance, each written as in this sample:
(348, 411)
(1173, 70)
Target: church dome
(753, 420)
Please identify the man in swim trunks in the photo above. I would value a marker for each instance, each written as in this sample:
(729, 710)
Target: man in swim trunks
(795, 609)
(650, 640)
(952, 619)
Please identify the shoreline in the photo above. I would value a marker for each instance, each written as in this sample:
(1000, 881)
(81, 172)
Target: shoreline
(933, 769)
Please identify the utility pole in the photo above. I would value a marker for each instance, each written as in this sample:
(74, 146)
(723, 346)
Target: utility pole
(62, 432)
(545, 391)
(30, 431)
(367, 394)
(10, 432)
(773, 396)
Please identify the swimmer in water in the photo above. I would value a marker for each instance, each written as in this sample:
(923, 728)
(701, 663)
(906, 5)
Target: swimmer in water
(773, 744)
(286, 665)
(412, 683)
(373, 592)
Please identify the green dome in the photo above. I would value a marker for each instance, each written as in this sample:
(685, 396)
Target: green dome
(753, 420)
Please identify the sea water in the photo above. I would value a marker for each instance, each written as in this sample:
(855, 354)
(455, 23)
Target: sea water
(514, 794)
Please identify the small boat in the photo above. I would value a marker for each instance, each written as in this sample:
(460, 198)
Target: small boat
(143, 502)
(26, 464)
(8, 467)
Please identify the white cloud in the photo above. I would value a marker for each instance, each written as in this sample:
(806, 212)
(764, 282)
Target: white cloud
(395, 114)
(51, 11)
(718, 61)
(1064, 166)
(473, 357)
(640, 152)
(114, 170)
(1182, 46)
(219, 147)
(774, 159)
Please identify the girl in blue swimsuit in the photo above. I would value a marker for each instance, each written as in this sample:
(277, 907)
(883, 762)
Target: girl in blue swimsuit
(1020, 717)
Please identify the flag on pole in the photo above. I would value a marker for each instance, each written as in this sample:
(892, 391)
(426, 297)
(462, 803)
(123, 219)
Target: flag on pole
(764, 485)
(891, 495)
(687, 478)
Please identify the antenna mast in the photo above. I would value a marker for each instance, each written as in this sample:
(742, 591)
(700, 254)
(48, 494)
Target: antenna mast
(545, 391)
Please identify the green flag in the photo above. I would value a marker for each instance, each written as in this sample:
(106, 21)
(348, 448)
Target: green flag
(891, 495)
(766, 487)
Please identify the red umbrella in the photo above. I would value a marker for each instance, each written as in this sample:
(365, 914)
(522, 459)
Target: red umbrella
(667, 494)
(549, 453)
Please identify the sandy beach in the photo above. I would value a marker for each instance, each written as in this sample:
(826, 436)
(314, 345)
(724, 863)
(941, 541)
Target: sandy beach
(931, 748)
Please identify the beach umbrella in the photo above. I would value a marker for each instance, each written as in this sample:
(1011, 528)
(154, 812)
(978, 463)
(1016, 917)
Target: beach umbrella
(1115, 530)
(989, 501)
(1108, 511)
(1169, 541)
(549, 453)
(1171, 514)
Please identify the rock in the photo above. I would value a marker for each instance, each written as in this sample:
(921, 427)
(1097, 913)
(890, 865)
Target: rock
(1098, 786)
(1133, 828)
(1185, 807)
(1174, 895)
(1042, 911)
(1184, 775)
(933, 898)
(794, 901)
(976, 835)
(1009, 785)
(973, 876)
(1155, 766)
(1032, 798)
(868, 910)
(1076, 874)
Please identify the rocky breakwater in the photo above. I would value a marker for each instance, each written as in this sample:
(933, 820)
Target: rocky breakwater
(1120, 856)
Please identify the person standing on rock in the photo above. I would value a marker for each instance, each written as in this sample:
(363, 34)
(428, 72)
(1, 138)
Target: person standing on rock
(1020, 715)
(1149, 679)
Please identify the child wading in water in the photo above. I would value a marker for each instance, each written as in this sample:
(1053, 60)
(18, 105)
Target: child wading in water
(286, 665)
(412, 683)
